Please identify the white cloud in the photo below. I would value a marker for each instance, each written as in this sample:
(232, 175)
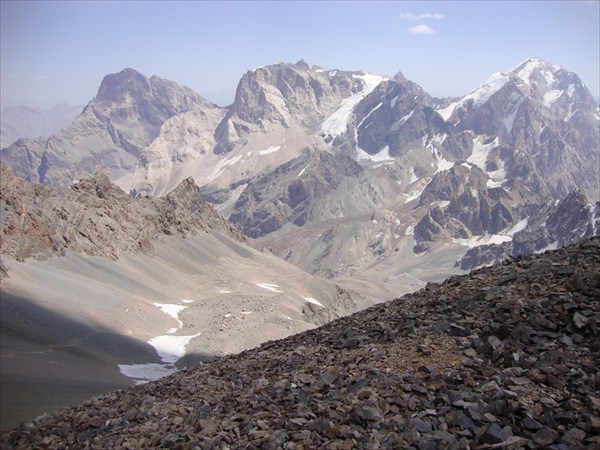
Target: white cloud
(421, 29)
(411, 16)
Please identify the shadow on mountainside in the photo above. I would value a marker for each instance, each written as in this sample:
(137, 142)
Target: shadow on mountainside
(49, 361)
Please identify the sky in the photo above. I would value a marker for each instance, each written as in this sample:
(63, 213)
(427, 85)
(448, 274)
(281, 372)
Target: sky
(58, 52)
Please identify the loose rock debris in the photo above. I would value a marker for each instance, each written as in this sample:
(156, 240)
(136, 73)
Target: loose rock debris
(503, 358)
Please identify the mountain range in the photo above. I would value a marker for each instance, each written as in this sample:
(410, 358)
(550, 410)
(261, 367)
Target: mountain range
(344, 173)
(25, 122)
(331, 190)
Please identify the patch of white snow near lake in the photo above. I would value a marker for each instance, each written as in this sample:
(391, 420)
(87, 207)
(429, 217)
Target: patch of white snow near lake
(168, 347)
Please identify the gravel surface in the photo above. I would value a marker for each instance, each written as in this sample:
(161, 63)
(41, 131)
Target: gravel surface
(505, 357)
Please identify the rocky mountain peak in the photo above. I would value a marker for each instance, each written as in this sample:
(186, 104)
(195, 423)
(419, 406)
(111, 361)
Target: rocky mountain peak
(551, 84)
(571, 213)
(283, 95)
(187, 196)
(399, 78)
(114, 86)
(99, 185)
(536, 70)
(303, 64)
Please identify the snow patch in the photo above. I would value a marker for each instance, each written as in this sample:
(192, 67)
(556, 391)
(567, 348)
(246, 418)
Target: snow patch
(142, 373)
(406, 117)
(532, 65)
(173, 311)
(413, 176)
(441, 203)
(414, 193)
(479, 96)
(368, 115)
(519, 226)
(442, 163)
(439, 138)
(491, 184)
(512, 108)
(551, 96)
(479, 158)
(485, 239)
(481, 152)
(302, 171)
(380, 158)
(337, 123)
(269, 286)
(221, 166)
(271, 149)
(313, 301)
(171, 348)
(552, 246)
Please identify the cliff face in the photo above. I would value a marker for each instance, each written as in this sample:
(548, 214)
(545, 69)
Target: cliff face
(505, 357)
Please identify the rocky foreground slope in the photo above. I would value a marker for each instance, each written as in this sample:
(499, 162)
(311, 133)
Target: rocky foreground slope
(99, 289)
(505, 357)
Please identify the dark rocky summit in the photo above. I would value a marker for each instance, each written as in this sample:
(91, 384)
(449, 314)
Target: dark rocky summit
(503, 358)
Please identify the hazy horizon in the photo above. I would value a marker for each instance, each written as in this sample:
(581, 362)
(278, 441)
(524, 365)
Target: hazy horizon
(58, 52)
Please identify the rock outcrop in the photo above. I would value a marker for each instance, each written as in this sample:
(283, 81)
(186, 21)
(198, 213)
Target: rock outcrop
(503, 358)
(548, 227)
(95, 217)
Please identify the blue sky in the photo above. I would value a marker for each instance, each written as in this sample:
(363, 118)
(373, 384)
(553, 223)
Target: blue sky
(53, 52)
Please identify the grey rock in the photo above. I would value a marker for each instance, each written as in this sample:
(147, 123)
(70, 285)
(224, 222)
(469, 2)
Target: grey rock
(545, 436)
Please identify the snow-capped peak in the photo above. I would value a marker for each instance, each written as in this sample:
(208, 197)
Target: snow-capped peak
(534, 70)
(543, 78)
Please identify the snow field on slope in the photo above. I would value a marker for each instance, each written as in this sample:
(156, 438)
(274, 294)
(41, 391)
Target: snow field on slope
(479, 96)
(337, 123)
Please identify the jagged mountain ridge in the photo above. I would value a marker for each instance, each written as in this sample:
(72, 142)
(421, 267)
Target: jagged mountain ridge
(504, 357)
(564, 223)
(95, 217)
(112, 131)
(261, 164)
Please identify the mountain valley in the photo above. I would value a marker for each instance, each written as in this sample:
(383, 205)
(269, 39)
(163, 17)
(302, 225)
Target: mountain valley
(159, 230)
